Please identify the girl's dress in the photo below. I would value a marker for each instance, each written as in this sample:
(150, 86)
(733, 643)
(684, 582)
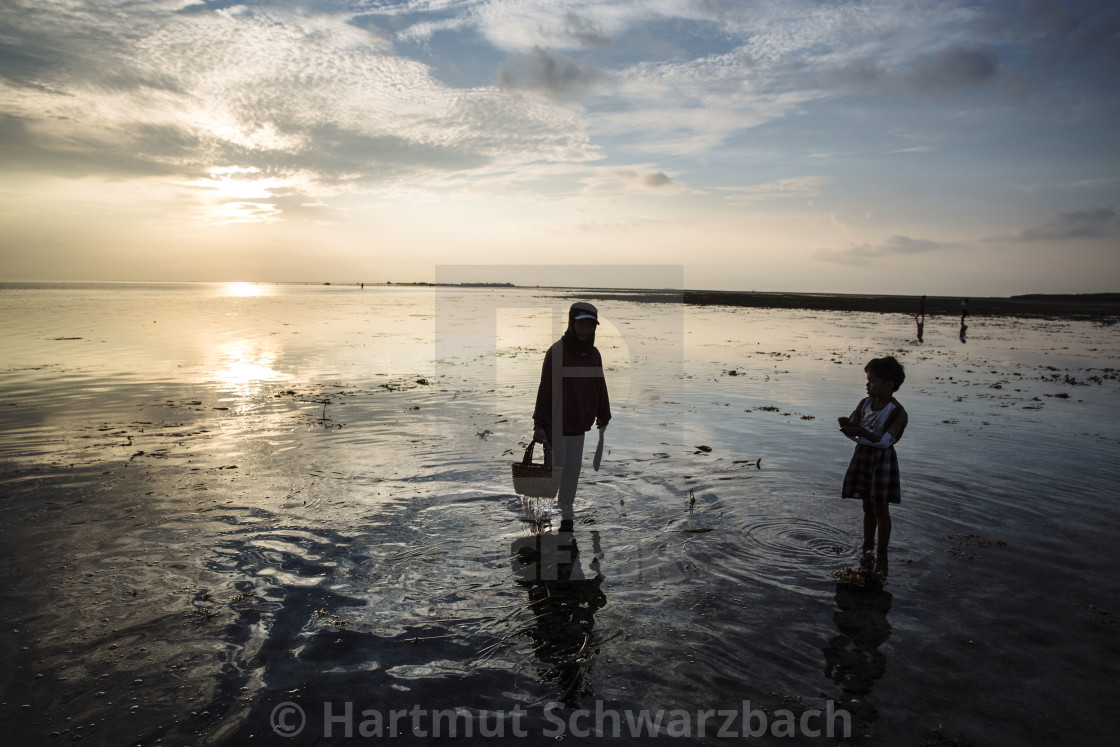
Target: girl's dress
(873, 471)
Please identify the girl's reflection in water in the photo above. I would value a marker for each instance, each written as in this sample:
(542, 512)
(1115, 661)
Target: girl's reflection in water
(852, 658)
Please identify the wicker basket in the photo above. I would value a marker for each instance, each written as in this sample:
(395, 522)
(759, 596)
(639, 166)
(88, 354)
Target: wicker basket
(536, 480)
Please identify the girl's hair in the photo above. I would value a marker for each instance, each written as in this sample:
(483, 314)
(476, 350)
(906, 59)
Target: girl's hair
(887, 368)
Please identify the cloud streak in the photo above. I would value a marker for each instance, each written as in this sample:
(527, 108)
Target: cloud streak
(795, 187)
(1091, 223)
(895, 246)
(956, 67)
(638, 178)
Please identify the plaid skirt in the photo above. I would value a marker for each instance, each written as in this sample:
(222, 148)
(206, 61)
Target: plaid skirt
(873, 474)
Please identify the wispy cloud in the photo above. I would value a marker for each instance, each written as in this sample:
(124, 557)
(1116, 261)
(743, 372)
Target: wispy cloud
(798, 187)
(862, 254)
(613, 179)
(561, 24)
(1090, 223)
(958, 66)
(553, 73)
(1074, 31)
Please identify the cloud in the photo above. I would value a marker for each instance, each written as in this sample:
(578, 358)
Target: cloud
(1092, 183)
(859, 75)
(1078, 224)
(302, 96)
(614, 179)
(799, 187)
(1063, 32)
(316, 100)
(551, 73)
(861, 254)
(959, 66)
(517, 25)
(584, 31)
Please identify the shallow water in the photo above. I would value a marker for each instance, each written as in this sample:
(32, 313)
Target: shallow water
(222, 498)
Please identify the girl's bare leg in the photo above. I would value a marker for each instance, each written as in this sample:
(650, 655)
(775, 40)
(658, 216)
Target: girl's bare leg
(869, 523)
(883, 516)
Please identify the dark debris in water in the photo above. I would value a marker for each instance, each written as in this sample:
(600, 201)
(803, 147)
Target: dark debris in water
(865, 576)
(203, 614)
(1099, 615)
(784, 413)
(330, 618)
(969, 545)
(938, 738)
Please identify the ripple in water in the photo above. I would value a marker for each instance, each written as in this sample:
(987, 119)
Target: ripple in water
(790, 552)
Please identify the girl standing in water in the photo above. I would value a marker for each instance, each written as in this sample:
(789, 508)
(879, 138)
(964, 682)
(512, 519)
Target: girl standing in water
(876, 425)
(572, 397)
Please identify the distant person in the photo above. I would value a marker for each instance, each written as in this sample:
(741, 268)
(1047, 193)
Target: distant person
(964, 310)
(922, 310)
(572, 397)
(876, 425)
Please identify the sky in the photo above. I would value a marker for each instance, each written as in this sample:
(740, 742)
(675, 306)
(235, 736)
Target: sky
(948, 147)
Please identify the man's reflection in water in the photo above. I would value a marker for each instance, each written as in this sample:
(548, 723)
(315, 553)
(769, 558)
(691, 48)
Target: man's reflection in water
(964, 329)
(563, 600)
(921, 330)
(852, 658)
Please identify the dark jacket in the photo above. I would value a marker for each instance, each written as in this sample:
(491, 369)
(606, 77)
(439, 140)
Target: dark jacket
(583, 396)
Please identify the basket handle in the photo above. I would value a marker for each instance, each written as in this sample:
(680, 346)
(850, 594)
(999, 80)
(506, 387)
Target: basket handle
(528, 459)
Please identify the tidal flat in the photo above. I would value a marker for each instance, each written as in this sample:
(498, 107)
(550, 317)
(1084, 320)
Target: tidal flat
(225, 500)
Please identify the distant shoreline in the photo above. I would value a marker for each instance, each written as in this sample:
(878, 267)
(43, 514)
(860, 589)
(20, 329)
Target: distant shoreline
(1103, 307)
(1099, 306)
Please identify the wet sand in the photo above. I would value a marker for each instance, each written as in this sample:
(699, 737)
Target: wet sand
(215, 506)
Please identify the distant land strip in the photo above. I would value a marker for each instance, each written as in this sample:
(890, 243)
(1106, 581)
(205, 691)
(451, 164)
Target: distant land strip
(1099, 306)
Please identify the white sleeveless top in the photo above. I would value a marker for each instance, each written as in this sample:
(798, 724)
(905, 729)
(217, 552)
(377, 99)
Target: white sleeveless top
(875, 420)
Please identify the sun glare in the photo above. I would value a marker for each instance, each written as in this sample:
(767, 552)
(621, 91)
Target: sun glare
(245, 290)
